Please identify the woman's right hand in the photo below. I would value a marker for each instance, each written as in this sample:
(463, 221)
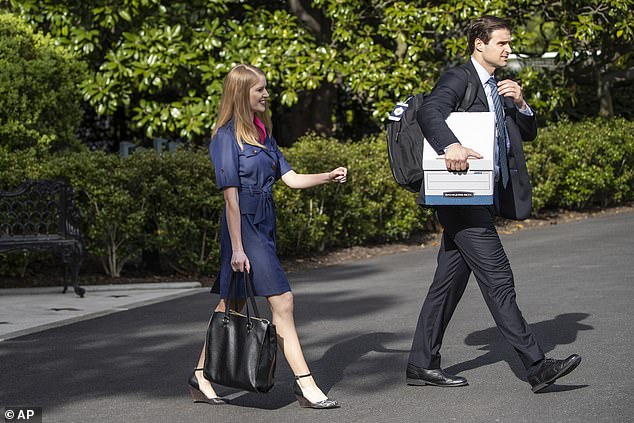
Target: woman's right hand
(240, 262)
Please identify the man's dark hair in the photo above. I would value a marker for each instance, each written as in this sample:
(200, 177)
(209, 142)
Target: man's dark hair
(483, 27)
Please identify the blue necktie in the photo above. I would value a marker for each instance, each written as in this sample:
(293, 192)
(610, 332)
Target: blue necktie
(501, 131)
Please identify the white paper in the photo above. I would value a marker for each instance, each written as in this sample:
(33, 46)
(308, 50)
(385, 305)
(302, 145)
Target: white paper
(475, 130)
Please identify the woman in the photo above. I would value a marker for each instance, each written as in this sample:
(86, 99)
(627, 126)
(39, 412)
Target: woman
(247, 162)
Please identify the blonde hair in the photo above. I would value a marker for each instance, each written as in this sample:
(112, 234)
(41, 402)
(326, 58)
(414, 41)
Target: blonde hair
(235, 104)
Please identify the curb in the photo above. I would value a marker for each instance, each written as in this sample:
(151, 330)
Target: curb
(101, 288)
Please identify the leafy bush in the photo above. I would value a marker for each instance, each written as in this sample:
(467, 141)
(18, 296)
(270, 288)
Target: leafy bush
(167, 202)
(169, 205)
(183, 219)
(582, 165)
(114, 214)
(39, 89)
(371, 207)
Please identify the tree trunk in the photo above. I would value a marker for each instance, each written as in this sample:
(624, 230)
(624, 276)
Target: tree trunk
(313, 112)
(604, 86)
(312, 18)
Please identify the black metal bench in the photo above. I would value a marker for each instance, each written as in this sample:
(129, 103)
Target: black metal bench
(41, 216)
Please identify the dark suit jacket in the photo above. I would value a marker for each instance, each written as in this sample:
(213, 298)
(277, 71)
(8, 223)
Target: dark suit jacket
(516, 200)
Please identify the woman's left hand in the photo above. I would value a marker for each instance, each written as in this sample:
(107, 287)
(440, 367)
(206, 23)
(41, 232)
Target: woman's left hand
(340, 175)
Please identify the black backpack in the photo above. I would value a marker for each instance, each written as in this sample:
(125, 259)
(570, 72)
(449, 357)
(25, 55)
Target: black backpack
(405, 138)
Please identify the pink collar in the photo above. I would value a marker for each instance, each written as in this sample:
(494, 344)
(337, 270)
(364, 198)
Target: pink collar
(260, 127)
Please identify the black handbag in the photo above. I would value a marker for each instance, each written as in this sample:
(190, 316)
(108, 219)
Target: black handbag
(241, 349)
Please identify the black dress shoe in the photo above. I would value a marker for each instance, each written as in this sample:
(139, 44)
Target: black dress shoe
(551, 370)
(435, 377)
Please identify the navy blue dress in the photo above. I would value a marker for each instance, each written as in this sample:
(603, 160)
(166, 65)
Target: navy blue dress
(253, 170)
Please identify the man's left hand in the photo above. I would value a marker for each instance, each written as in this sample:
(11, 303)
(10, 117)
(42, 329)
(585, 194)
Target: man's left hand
(510, 88)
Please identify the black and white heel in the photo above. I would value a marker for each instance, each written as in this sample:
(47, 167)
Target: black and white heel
(305, 403)
(197, 394)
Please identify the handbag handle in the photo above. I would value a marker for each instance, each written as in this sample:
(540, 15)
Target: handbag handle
(248, 288)
(231, 297)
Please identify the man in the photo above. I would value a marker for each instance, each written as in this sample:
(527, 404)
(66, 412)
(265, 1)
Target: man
(470, 242)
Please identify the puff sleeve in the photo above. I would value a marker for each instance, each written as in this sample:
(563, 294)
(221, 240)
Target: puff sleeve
(223, 150)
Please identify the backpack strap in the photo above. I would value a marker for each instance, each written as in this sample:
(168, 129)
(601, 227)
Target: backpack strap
(469, 94)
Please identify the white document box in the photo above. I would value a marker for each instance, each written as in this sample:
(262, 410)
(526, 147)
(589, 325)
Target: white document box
(475, 130)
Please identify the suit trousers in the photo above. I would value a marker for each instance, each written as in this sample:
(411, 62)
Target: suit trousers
(470, 243)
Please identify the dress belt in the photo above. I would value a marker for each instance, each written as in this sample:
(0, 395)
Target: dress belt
(265, 206)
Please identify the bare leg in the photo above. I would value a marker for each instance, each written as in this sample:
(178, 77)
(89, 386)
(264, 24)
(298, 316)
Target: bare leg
(282, 310)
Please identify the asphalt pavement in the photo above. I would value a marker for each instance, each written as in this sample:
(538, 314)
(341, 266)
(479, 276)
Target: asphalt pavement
(127, 358)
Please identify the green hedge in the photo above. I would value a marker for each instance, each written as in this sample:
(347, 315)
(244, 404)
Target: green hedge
(169, 205)
(40, 99)
(582, 165)
(166, 204)
(370, 207)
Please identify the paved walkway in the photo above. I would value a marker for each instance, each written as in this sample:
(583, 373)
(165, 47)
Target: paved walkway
(29, 310)
(575, 285)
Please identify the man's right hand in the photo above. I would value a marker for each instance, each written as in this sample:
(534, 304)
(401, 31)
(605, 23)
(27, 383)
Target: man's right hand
(456, 157)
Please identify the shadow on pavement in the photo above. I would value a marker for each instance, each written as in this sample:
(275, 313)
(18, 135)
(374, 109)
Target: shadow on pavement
(561, 330)
(560, 388)
(335, 273)
(149, 352)
(329, 370)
